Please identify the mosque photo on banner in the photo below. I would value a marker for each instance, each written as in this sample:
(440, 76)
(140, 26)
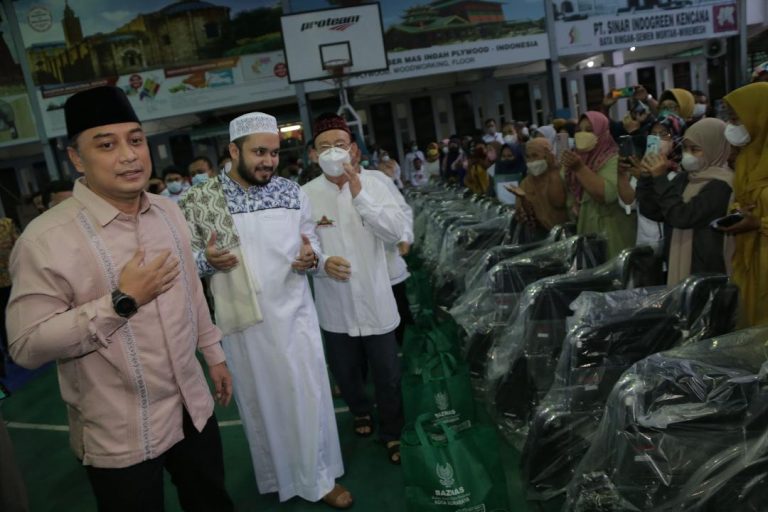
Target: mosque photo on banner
(16, 122)
(585, 26)
(75, 41)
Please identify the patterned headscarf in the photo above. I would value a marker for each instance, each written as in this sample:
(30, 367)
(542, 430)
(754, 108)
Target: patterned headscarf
(605, 149)
(676, 127)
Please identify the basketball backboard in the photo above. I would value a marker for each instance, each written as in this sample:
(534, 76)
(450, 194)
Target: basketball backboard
(317, 41)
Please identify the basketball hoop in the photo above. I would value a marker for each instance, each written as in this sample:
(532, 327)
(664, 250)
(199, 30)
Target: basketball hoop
(336, 67)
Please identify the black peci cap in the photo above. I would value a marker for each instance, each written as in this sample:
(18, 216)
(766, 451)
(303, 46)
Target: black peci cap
(97, 107)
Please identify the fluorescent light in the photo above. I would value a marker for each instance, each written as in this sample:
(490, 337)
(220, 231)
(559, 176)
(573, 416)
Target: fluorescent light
(632, 48)
(290, 128)
(591, 64)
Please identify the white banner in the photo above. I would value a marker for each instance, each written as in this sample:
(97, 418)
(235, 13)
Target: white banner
(455, 57)
(589, 30)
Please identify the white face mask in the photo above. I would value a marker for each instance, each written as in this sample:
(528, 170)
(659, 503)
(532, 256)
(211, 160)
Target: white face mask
(332, 161)
(414, 148)
(385, 158)
(537, 167)
(737, 135)
(174, 187)
(691, 163)
(445, 150)
(510, 139)
(525, 132)
(699, 110)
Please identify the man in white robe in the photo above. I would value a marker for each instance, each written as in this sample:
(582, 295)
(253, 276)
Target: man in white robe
(279, 369)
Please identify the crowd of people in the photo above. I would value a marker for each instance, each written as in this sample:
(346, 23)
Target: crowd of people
(111, 281)
(668, 174)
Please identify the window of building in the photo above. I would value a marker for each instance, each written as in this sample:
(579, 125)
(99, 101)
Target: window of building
(647, 78)
(520, 101)
(593, 86)
(681, 72)
(131, 58)
(463, 113)
(384, 123)
(212, 30)
(423, 120)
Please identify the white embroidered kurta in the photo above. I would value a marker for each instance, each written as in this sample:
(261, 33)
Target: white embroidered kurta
(280, 376)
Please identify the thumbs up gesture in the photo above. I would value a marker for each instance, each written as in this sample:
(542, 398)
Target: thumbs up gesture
(306, 258)
(220, 260)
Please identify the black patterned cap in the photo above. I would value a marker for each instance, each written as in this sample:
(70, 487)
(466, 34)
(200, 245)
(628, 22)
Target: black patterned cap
(99, 106)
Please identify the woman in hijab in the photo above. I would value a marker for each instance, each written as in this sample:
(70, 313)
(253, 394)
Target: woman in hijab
(670, 130)
(748, 131)
(677, 101)
(548, 132)
(509, 167)
(541, 195)
(692, 200)
(590, 175)
(477, 179)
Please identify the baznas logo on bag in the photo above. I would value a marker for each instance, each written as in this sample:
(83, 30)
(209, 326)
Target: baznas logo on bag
(445, 474)
(441, 401)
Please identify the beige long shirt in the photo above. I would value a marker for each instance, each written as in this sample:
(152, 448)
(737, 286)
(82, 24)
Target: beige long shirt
(124, 381)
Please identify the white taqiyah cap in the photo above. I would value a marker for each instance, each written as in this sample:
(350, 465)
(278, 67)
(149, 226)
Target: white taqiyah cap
(253, 122)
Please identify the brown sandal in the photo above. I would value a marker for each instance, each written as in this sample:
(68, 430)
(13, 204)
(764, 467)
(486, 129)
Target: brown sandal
(393, 452)
(335, 498)
(361, 423)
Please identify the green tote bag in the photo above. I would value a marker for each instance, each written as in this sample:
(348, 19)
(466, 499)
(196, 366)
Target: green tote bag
(448, 471)
(443, 390)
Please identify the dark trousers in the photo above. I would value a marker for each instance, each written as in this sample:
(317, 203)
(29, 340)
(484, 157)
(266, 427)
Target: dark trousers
(5, 295)
(347, 356)
(196, 465)
(404, 309)
(13, 493)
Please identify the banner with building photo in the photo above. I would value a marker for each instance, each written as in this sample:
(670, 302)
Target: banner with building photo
(174, 91)
(427, 37)
(17, 124)
(171, 57)
(590, 26)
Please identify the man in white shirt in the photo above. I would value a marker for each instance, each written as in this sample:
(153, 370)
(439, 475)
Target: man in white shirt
(396, 265)
(491, 135)
(356, 216)
(410, 156)
(419, 178)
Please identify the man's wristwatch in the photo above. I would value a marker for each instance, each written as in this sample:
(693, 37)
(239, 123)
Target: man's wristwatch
(123, 304)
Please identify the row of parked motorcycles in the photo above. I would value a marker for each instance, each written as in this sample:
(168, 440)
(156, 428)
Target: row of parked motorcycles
(621, 394)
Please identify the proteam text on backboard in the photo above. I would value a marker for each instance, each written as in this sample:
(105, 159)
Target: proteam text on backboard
(331, 23)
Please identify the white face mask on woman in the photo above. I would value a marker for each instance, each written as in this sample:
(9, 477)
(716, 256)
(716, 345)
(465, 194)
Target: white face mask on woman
(537, 167)
(332, 161)
(737, 135)
(691, 163)
(510, 139)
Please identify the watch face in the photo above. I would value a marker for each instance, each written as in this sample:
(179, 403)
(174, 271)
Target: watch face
(125, 306)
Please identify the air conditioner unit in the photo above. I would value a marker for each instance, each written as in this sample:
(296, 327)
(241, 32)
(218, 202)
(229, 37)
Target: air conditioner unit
(715, 48)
